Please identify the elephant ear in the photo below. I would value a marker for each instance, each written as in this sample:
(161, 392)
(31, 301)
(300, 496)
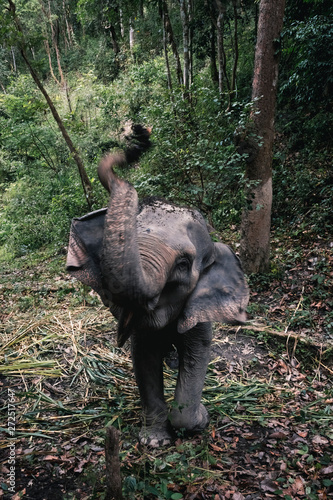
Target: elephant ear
(221, 293)
(84, 251)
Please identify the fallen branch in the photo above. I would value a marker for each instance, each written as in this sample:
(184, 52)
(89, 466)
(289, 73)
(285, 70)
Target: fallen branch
(285, 334)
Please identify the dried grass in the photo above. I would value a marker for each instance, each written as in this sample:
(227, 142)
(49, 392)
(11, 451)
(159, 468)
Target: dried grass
(68, 375)
(62, 367)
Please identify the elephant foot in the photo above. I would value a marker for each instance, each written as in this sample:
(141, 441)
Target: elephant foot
(155, 437)
(189, 419)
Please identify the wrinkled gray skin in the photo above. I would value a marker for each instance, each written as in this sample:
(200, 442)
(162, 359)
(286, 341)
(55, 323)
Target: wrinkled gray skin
(159, 272)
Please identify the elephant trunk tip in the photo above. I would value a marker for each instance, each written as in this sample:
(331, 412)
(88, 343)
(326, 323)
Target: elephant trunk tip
(138, 143)
(105, 169)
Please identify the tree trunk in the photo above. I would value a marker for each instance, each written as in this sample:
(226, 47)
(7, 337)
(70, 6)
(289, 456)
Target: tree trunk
(14, 60)
(48, 51)
(48, 16)
(131, 35)
(63, 82)
(220, 49)
(86, 184)
(121, 22)
(165, 45)
(56, 48)
(2, 87)
(190, 13)
(222, 72)
(213, 67)
(69, 27)
(114, 41)
(236, 54)
(171, 40)
(256, 218)
(186, 39)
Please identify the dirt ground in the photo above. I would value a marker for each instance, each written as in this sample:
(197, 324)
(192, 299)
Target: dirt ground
(268, 392)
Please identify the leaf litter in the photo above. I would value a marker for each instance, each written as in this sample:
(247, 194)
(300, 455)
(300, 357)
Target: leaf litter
(268, 391)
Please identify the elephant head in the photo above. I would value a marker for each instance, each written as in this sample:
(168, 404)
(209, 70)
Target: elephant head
(154, 263)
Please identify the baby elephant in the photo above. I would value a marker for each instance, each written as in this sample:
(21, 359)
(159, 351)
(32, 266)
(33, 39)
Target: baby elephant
(155, 266)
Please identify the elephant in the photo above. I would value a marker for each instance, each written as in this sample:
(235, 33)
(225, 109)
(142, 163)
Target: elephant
(155, 266)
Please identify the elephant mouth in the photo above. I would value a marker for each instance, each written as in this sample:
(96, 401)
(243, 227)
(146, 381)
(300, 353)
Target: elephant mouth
(130, 321)
(136, 319)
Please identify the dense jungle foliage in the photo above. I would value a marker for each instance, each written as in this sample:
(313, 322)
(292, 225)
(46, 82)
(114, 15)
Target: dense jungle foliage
(104, 63)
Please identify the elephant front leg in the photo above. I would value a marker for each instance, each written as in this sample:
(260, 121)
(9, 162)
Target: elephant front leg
(147, 357)
(194, 355)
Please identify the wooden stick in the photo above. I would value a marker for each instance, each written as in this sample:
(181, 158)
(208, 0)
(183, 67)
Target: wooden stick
(113, 475)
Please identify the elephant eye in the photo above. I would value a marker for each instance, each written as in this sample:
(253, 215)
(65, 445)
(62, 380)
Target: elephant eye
(181, 270)
(183, 264)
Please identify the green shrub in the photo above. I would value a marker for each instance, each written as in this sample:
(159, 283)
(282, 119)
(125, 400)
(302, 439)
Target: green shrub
(37, 212)
(194, 160)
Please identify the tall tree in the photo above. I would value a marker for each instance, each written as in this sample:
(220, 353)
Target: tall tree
(221, 9)
(171, 39)
(163, 14)
(185, 7)
(256, 218)
(212, 53)
(234, 67)
(86, 184)
(218, 14)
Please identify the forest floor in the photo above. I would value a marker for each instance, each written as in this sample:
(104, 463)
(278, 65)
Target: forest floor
(268, 391)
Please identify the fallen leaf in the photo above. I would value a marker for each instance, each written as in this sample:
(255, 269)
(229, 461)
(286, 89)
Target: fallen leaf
(283, 466)
(52, 458)
(216, 448)
(319, 440)
(302, 434)
(278, 435)
(249, 435)
(238, 496)
(298, 486)
(327, 470)
(268, 485)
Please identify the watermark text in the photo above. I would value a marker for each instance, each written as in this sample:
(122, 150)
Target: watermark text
(11, 475)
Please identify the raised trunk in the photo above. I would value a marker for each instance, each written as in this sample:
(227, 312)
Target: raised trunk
(127, 266)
